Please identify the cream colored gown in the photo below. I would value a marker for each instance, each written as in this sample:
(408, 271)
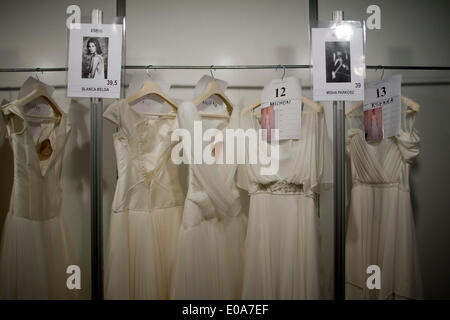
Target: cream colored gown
(283, 243)
(147, 206)
(209, 259)
(380, 228)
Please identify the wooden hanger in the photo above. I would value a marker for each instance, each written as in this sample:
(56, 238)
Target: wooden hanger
(150, 87)
(212, 89)
(39, 91)
(415, 107)
(305, 100)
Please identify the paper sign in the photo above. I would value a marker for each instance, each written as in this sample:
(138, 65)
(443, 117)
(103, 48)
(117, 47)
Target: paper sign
(382, 108)
(282, 99)
(95, 61)
(38, 106)
(338, 63)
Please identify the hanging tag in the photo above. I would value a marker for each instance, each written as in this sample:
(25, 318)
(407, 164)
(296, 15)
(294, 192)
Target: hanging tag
(338, 62)
(382, 108)
(213, 102)
(281, 108)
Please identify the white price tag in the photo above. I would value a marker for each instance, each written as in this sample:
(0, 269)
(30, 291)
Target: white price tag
(95, 61)
(338, 63)
(281, 108)
(382, 108)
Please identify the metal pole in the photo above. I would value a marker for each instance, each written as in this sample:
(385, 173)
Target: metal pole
(121, 12)
(96, 188)
(239, 67)
(313, 11)
(339, 190)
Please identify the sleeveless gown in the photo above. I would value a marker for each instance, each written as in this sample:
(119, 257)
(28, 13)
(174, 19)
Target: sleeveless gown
(36, 248)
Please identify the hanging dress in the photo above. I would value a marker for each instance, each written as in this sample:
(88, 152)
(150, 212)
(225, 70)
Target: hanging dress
(283, 243)
(147, 206)
(380, 229)
(209, 258)
(35, 248)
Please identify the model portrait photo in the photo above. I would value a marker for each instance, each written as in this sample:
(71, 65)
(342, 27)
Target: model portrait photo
(95, 58)
(337, 55)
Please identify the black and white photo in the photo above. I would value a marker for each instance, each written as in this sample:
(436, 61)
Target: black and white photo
(337, 57)
(95, 58)
(338, 61)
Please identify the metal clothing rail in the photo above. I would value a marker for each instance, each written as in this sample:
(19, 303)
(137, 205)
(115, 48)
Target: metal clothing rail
(229, 67)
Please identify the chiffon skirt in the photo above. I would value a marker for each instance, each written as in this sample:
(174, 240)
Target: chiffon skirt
(34, 256)
(209, 260)
(381, 232)
(140, 253)
(282, 248)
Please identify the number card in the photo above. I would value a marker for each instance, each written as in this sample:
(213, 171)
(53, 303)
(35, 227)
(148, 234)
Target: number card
(338, 62)
(281, 108)
(95, 61)
(382, 108)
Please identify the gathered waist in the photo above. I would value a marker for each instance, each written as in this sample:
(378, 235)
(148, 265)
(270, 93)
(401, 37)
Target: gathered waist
(281, 187)
(178, 206)
(384, 185)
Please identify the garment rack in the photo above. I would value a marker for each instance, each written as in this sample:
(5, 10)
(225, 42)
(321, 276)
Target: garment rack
(96, 156)
(228, 67)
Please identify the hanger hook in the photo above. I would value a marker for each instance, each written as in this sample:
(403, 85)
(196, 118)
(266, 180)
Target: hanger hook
(210, 70)
(36, 74)
(147, 70)
(382, 73)
(284, 72)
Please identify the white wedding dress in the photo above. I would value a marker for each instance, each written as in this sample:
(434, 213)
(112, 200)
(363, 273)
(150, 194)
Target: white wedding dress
(36, 248)
(283, 242)
(209, 258)
(147, 206)
(380, 228)
(375, 135)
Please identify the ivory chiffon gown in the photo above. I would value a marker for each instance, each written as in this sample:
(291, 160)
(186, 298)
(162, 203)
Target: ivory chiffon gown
(36, 248)
(380, 228)
(283, 242)
(147, 206)
(210, 250)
